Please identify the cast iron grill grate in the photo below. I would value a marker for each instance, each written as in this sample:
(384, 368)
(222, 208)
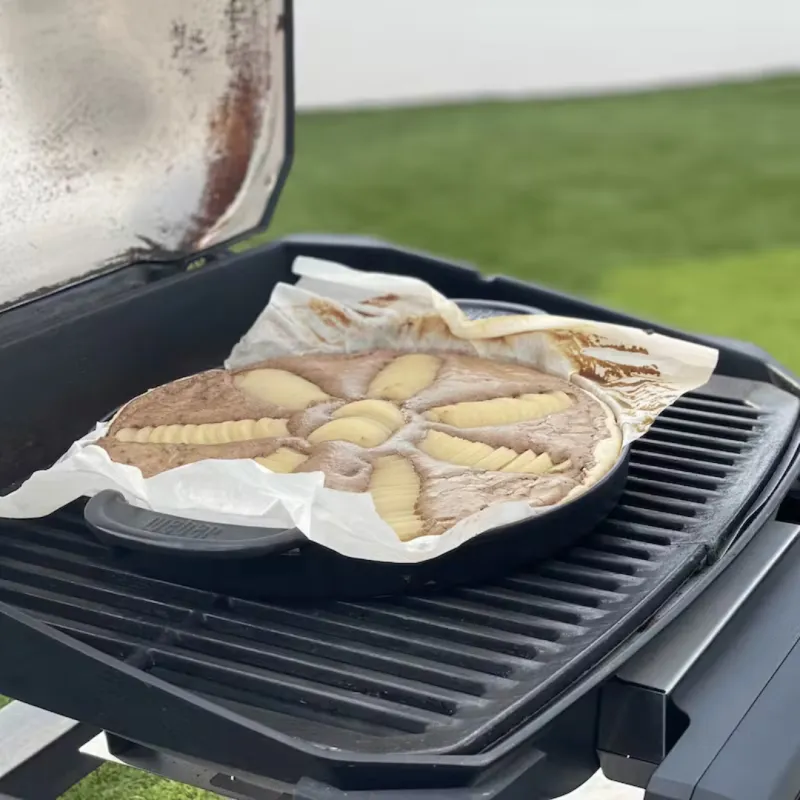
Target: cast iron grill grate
(423, 673)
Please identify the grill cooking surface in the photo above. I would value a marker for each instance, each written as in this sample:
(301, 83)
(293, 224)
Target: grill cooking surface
(446, 672)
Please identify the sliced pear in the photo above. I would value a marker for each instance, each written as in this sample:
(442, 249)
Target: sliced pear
(242, 430)
(497, 459)
(381, 411)
(542, 464)
(208, 433)
(500, 410)
(144, 434)
(521, 462)
(268, 428)
(283, 460)
(404, 377)
(358, 430)
(188, 433)
(395, 487)
(281, 388)
(158, 434)
(454, 450)
(530, 463)
(172, 434)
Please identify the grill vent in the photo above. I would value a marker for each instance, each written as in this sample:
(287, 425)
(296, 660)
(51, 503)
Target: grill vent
(430, 672)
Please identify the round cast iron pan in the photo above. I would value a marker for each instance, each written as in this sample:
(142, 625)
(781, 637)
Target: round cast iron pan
(264, 564)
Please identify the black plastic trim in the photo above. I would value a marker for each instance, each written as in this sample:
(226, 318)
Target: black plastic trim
(742, 699)
(640, 719)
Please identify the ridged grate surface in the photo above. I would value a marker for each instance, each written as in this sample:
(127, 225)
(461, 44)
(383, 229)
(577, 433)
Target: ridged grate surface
(424, 672)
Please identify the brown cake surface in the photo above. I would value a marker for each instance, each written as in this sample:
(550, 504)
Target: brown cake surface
(434, 437)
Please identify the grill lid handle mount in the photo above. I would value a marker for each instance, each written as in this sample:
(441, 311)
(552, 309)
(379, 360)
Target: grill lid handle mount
(137, 132)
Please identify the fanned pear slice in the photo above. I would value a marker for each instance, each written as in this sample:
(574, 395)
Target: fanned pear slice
(543, 463)
(268, 428)
(280, 388)
(283, 460)
(395, 488)
(497, 459)
(530, 463)
(143, 434)
(500, 411)
(404, 377)
(381, 411)
(358, 430)
(207, 433)
(454, 450)
(521, 462)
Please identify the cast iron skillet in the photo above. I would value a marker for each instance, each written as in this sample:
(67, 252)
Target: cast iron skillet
(261, 564)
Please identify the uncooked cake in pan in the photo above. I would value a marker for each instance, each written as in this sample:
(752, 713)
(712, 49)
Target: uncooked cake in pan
(434, 437)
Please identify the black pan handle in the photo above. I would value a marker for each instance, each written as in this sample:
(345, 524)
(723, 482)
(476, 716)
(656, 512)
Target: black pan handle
(120, 524)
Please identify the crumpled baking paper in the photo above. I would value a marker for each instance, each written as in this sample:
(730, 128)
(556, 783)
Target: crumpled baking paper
(336, 309)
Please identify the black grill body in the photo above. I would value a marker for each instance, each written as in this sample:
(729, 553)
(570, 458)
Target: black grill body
(421, 692)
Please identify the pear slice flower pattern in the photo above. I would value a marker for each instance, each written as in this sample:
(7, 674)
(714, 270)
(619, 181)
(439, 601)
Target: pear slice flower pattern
(381, 411)
(367, 423)
(431, 437)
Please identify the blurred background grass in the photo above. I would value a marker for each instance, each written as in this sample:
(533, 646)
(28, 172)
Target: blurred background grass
(682, 206)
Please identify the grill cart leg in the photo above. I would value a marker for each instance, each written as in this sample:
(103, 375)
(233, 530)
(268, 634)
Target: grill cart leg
(40, 755)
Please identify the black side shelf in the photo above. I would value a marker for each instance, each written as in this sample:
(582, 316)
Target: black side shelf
(708, 711)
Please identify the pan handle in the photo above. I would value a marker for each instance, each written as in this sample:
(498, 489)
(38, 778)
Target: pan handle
(120, 524)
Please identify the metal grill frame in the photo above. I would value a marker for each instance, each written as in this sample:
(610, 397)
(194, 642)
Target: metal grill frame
(251, 738)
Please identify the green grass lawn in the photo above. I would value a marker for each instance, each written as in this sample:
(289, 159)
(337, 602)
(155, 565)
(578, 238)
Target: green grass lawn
(683, 206)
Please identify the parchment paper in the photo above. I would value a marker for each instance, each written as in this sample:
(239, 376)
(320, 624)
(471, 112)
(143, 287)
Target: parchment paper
(335, 309)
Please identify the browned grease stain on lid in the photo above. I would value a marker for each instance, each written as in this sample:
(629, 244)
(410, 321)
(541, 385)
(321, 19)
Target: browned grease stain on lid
(235, 123)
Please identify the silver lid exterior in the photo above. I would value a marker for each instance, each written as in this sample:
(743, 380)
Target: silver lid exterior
(135, 130)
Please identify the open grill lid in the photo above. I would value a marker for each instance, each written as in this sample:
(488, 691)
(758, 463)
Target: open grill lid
(136, 131)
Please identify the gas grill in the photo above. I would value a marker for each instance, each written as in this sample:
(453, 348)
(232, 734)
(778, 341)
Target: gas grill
(661, 647)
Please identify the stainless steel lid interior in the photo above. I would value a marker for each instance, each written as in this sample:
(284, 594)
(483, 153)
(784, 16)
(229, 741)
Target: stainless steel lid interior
(135, 131)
